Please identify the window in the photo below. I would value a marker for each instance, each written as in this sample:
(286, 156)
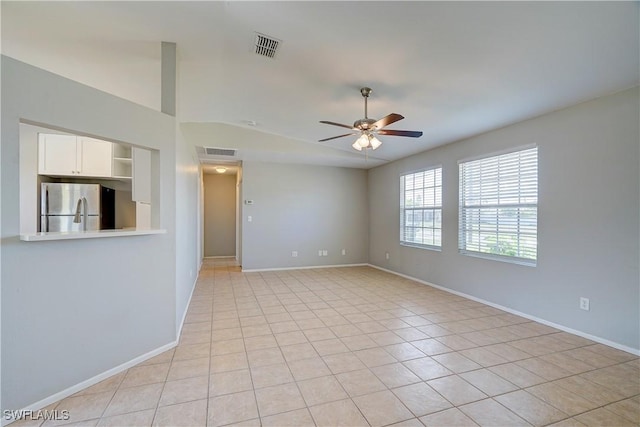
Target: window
(499, 206)
(421, 208)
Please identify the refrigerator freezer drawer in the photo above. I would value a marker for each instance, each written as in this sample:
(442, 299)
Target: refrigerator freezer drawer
(65, 223)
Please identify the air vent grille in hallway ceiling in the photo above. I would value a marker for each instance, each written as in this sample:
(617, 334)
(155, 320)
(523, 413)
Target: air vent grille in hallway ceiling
(266, 45)
(219, 151)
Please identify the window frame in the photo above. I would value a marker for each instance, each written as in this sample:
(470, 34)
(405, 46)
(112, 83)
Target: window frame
(434, 208)
(463, 228)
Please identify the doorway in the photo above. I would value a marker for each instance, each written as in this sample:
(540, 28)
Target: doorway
(220, 212)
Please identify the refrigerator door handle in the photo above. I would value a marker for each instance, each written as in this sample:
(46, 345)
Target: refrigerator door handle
(85, 216)
(46, 204)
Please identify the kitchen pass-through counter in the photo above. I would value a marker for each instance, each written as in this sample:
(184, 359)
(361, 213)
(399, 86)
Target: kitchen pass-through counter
(97, 234)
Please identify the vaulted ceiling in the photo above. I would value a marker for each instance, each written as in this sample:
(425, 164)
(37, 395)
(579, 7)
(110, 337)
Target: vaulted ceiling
(453, 69)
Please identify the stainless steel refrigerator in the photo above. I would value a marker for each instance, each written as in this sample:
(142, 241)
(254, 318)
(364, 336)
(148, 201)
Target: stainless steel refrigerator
(76, 207)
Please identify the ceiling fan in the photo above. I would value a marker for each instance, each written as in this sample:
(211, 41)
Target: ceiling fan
(369, 128)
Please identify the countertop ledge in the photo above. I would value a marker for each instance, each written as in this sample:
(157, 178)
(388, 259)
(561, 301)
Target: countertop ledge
(100, 234)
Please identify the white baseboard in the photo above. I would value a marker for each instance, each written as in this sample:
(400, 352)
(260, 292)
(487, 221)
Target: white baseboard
(595, 338)
(221, 256)
(255, 270)
(91, 381)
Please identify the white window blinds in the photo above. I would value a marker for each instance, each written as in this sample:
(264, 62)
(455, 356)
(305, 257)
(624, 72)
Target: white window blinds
(499, 206)
(421, 208)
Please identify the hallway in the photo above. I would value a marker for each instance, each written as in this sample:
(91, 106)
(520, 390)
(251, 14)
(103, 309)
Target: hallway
(356, 347)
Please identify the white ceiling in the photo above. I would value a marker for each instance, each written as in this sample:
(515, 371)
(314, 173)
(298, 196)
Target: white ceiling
(453, 69)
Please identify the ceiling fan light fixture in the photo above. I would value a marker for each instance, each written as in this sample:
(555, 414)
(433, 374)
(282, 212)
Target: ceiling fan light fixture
(374, 142)
(366, 140)
(363, 141)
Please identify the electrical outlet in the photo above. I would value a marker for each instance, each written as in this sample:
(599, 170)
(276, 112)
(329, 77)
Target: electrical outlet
(294, 254)
(249, 218)
(584, 303)
(386, 255)
(325, 252)
(344, 252)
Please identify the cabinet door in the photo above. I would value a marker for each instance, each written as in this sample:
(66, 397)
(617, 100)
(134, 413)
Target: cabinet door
(57, 154)
(143, 216)
(141, 175)
(94, 156)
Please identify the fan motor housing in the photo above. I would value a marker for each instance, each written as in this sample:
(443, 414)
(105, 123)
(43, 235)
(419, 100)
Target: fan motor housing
(364, 124)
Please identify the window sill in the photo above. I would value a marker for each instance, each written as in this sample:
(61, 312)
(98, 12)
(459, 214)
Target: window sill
(419, 246)
(509, 260)
(99, 234)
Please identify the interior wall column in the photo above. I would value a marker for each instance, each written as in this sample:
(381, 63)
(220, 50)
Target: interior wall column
(168, 78)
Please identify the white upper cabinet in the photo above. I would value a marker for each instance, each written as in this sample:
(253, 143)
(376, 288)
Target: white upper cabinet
(74, 156)
(57, 154)
(95, 157)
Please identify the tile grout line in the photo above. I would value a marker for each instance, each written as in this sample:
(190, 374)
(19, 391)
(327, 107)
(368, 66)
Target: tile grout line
(253, 387)
(112, 396)
(273, 293)
(210, 361)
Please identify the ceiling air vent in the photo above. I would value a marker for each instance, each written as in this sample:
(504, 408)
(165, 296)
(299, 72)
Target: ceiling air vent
(219, 152)
(266, 45)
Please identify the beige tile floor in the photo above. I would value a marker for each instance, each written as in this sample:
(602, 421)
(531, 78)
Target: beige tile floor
(359, 347)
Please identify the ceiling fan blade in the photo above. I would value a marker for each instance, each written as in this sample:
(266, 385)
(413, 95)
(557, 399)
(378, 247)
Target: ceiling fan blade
(336, 124)
(409, 133)
(335, 137)
(387, 120)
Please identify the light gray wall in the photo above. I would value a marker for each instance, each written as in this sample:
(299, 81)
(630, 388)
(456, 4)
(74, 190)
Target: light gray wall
(187, 232)
(219, 215)
(29, 183)
(188, 186)
(588, 222)
(303, 208)
(73, 309)
(239, 216)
